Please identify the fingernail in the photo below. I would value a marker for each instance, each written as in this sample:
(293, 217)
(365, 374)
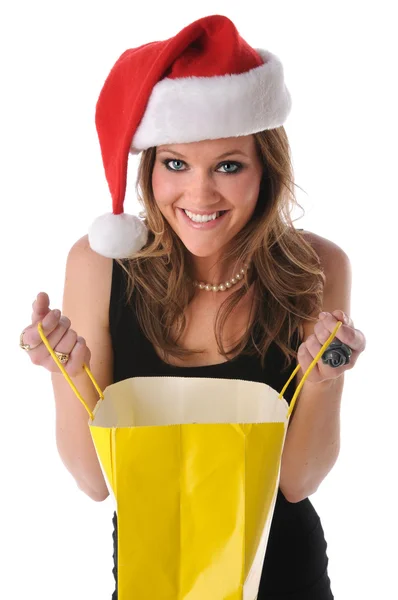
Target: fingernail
(57, 313)
(322, 315)
(80, 340)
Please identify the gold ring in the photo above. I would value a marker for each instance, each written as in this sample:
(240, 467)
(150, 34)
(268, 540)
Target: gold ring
(22, 345)
(62, 357)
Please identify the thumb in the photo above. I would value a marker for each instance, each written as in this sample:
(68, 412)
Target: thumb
(341, 316)
(41, 307)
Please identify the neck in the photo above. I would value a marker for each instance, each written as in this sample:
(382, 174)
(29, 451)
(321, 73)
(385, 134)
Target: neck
(206, 270)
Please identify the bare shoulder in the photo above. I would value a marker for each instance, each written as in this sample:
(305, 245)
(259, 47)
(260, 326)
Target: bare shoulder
(332, 257)
(337, 277)
(88, 280)
(82, 255)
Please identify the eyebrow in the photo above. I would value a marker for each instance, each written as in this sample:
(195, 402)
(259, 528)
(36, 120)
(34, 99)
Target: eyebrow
(170, 151)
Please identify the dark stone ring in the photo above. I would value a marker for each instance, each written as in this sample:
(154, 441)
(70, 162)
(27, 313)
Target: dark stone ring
(336, 354)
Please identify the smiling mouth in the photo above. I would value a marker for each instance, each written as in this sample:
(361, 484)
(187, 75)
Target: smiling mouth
(206, 214)
(201, 218)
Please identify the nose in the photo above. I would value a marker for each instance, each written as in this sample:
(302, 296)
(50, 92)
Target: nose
(201, 192)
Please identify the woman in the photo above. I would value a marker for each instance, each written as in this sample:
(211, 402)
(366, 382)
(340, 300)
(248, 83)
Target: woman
(215, 281)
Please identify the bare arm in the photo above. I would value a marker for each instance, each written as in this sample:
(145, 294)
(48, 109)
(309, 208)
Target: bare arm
(86, 303)
(313, 439)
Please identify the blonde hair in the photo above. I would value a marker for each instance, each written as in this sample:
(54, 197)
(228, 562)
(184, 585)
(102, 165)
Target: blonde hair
(285, 270)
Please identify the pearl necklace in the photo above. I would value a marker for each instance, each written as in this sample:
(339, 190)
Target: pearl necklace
(222, 287)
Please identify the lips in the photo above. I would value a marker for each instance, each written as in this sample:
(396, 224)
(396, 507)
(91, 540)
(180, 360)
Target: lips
(212, 224)
(201, 213)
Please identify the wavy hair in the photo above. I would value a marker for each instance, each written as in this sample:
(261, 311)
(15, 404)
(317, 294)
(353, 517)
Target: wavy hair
(285, 270)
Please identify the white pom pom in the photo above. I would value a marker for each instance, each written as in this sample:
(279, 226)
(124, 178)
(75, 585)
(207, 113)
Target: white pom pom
(117, 236)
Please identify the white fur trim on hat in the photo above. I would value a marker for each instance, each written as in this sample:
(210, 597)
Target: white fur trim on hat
(191, 109)
(117, 236)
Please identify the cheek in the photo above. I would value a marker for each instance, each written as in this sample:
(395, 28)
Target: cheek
(245, 193)
(164, 190)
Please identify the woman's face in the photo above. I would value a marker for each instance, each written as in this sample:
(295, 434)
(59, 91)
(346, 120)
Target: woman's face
(204, 178)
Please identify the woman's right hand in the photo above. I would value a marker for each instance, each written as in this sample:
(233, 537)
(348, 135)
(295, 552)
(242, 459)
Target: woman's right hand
(60, 336)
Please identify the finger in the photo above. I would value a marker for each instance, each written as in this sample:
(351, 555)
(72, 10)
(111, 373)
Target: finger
(50, 322)
(343, 317)
(41, 306)
(337, 315)
(79, 356)
(321, 332)
(313, 346)
(62, 339)
(305, 358)
(347, 334)
(66, 343)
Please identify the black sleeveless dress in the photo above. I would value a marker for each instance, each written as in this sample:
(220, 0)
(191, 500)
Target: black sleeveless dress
(295, 566)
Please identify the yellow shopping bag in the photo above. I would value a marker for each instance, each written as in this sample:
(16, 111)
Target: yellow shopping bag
(193, 466)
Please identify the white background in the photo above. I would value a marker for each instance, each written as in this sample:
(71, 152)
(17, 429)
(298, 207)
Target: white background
(340, 69)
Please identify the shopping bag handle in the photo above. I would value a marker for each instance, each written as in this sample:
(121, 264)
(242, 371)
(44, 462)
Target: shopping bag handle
(97, 387)
(308, 371)
(65, 374)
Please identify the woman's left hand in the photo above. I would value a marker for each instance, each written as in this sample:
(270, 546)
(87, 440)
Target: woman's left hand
(347, 334)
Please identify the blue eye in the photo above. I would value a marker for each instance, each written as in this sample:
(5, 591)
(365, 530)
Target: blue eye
(172, 160)
(237, 167)
(179, 164)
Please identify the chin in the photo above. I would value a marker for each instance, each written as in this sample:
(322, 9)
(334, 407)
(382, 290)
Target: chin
(201, 251)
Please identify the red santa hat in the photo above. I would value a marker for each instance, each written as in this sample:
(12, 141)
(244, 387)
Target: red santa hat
(204, 83)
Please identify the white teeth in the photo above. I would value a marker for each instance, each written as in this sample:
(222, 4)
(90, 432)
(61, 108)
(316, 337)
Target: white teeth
(201, 218)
